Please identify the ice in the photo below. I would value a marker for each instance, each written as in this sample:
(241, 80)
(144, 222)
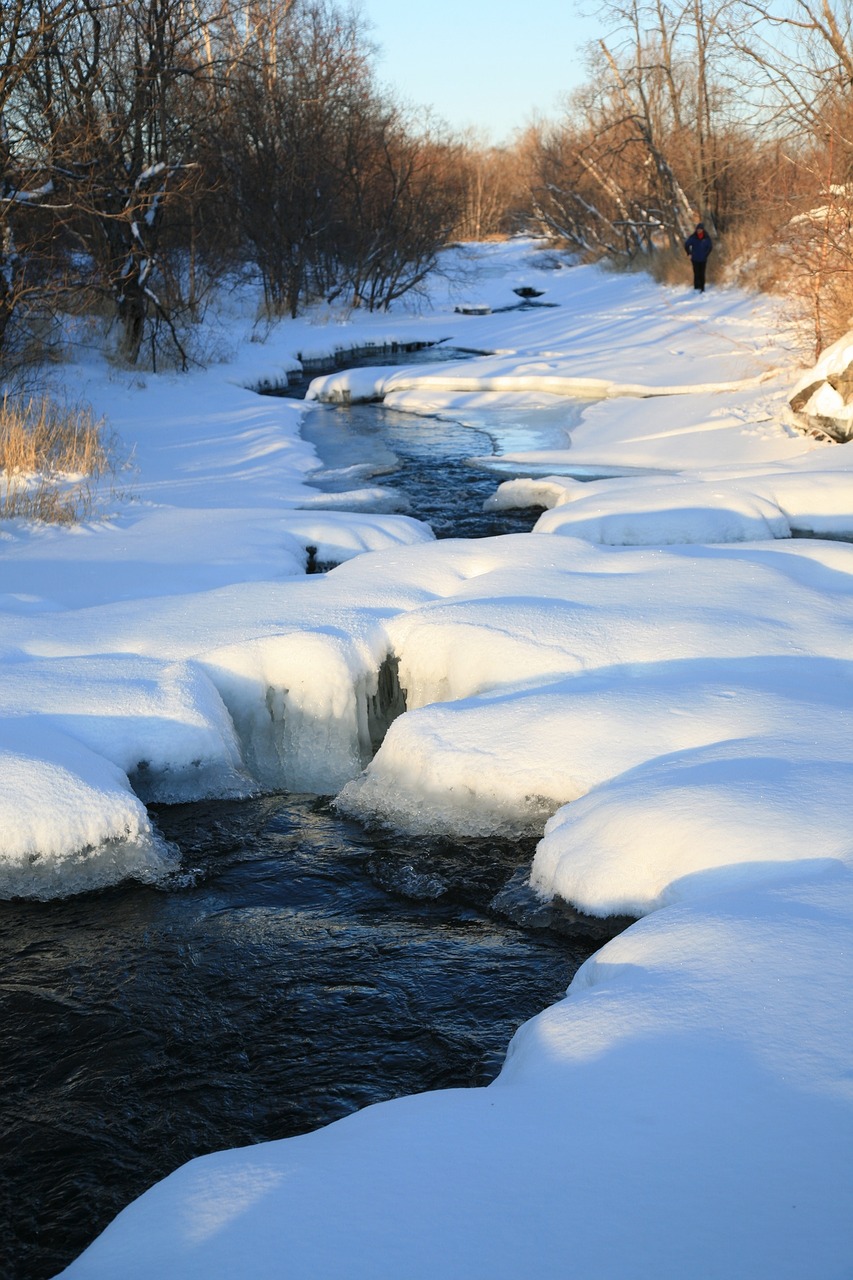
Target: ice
(301, 705)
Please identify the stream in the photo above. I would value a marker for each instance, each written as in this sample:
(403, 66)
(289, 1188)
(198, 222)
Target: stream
(297, 967)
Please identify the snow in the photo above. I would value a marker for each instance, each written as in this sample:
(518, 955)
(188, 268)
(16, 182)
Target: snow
(702, 805)
(670, 514)
(685, 1110)
(657, 682)
(70, 820)
(833, 361)
(520, 702)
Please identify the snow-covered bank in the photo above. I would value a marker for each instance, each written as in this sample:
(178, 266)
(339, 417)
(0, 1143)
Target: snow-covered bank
(685, 1111)
(678, 713)
(201, 560)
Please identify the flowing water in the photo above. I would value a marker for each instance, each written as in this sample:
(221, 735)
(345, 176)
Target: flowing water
(297, 967)
(425, 463)
(442, 470)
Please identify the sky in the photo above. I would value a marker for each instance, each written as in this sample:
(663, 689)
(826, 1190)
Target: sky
(478, 65)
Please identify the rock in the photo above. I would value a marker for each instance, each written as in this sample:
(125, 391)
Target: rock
(823, 397)
(800, 399)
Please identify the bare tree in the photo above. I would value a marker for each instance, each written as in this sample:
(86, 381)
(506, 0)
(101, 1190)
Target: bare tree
(797, 59)
(27, 28)
(645, 148)
(335, 192)
(108, 101)
(301, 75)
(400, 205)
(492, 188)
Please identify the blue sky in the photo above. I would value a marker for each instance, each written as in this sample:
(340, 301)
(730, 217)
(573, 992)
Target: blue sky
(481, 62)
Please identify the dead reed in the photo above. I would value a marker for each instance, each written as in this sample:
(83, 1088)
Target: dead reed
(50, 455)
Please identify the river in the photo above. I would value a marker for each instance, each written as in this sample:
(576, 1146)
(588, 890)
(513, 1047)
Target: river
(296, 967)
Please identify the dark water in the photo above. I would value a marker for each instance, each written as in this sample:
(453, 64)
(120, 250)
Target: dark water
(426, 461)
(298, 967)
(429, 462)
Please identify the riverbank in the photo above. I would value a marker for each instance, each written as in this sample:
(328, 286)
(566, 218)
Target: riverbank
(676, 712)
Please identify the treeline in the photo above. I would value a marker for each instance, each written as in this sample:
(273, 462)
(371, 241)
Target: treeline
(152, 149)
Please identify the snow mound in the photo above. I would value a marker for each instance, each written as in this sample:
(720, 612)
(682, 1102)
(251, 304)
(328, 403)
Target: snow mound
(737, 504)
(341, 535)
(162, 723)
(545, 491)
(69, 821)
(504, 761)
(429, 778)
(720, 817)
(665, 515)
(824, 393)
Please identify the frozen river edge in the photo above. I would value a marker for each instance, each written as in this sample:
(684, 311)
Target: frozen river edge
(686, 1109)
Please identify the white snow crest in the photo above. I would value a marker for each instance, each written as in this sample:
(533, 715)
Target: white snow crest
(679, 828)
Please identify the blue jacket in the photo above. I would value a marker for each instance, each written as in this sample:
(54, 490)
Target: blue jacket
(699, 247)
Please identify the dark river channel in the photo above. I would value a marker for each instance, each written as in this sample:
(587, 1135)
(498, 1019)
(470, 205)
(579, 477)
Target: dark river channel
(296, 968)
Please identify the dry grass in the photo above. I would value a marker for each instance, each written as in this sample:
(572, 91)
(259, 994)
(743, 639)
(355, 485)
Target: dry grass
(672, 266)
(49, 458)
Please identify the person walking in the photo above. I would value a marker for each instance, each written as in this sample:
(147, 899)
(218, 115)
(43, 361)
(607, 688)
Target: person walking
(698, 248)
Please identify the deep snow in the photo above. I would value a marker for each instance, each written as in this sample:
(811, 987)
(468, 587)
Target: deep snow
(665, 681)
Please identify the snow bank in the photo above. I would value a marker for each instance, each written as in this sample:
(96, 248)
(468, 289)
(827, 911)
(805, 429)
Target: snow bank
(808, 496)
(340, 535)
(504, 761)
(163, 723)
(684, 1110)
(712, 507)
(68, 818)
(530, 698)
(676, 513)
(353, 385)
(715, 818)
